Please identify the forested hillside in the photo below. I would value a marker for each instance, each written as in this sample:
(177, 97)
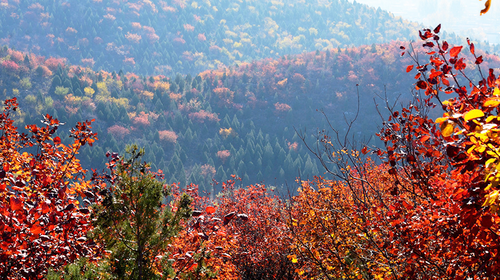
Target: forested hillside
(237, 120)
(186, 36)
(331, 144)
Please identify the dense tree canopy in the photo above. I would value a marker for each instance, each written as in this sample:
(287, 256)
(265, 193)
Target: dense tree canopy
(217, 199)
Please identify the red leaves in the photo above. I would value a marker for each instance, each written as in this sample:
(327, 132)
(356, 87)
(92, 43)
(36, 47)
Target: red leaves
(421, 85)
(455, 51)
(446, 162)
(429, 44)
(479, 59)
(435, 74)
(69, 207)
(491, 78)
(409, 68)
(36, 229)
(192, 267)
(424, 138)
(486, 221)
(210, 210)
(445, 46)
(245, 233)
(15, 203)
(460, 65)
(34, 188)
(426, 35)
(437, 29)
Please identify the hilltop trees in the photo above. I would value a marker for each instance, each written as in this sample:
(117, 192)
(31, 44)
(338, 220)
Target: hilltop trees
(186, 37)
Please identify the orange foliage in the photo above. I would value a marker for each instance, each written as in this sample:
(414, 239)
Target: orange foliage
(149, 29)
(141, 120)
(188, 27)
(45, 71)
(223, 155)
(168, 136)
(88, 62)
(36, 6)
(293, 146)
(282, 107)
(179, 40)
(71, 31)
(161, 86)
(203, 115)
(207, 170)
(226, 132)
(225, 95)
(16, 56)
(175, 96)
(133, 37)
(153, 38)
(136, 25)
(129, 60)
(10, 66)
(118, 132)
(110, 17)
(298, 78)
(52, 63)
(431, 209)
(214, 49)
(202, 37)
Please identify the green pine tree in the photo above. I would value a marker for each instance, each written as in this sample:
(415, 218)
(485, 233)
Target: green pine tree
(133, 222)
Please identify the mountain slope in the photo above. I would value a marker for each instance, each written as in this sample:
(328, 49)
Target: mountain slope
(186, 36)
(238, 120)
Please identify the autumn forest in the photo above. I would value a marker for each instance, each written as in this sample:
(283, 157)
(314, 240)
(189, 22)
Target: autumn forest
(249, 139)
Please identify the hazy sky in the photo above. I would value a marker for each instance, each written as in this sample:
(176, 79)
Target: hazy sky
(459, 16)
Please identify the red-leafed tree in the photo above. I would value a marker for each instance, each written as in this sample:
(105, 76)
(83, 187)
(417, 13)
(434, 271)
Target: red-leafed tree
(430, 210)
(243, 236)
(44, 198)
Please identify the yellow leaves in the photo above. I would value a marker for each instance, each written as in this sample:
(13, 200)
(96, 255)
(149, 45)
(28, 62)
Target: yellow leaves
(441, 120)
(496, 92)
(473, 114)
(147, 95)
(162, 86)
(492, 200)
(175, 96)
(226, 132)
(489, 162)
(89, 91)
(491, 102)
(283, 82)
(293, 258)
(447, 128)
